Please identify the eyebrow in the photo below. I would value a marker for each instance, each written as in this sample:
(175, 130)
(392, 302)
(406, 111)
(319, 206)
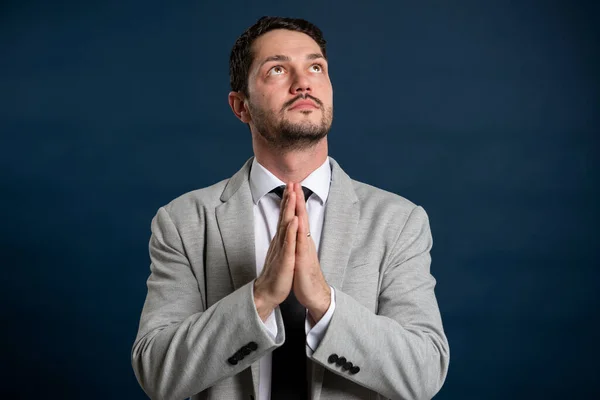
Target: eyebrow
(281, 57)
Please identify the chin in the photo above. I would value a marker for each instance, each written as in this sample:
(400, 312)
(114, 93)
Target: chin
(302, 118)
(306, 124)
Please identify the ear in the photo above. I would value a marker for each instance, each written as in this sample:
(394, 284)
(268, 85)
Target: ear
(239, 107)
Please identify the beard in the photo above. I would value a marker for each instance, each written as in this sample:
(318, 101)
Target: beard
(284, 135)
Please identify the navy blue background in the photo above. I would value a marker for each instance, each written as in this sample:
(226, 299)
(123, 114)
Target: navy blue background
(484, 113)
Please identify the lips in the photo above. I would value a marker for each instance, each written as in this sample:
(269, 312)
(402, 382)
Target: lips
(303, 104)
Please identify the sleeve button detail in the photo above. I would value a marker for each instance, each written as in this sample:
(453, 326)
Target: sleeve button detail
(340, 361)
(232, 360)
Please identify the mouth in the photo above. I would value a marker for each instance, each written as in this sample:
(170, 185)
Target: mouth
(304, 105)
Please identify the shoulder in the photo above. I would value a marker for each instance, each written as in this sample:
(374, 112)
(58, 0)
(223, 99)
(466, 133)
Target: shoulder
(398, 219)
(191, 205)
(371, 197)
(384, 208)
(379, 206)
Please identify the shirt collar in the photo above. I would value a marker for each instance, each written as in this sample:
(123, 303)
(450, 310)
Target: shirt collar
(262, 181)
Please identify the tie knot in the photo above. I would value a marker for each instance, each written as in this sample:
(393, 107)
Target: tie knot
(279, 191)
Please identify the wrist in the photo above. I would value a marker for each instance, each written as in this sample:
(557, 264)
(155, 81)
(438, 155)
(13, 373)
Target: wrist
(317, 311)
(264, 307)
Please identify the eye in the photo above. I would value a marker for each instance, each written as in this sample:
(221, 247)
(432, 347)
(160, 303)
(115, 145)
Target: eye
(317, 68)
(276, 70)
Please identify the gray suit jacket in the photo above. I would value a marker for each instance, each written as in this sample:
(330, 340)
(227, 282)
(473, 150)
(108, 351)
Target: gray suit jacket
(200, 309)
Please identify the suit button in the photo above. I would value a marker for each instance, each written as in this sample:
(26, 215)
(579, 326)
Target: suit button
(347, 366)
(252, 346)
(354, 370)
(332, 358)
(232, 360)
(246, 350)
(340, 361)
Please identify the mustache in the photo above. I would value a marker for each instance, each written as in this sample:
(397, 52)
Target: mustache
(302, 97)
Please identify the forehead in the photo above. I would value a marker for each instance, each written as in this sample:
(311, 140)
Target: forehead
(284, 42)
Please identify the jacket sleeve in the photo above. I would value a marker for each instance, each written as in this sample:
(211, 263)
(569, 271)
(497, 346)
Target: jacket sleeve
(182, 347)
(401, 351)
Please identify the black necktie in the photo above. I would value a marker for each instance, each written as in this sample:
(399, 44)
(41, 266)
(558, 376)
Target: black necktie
(279, 191)
(289, 373)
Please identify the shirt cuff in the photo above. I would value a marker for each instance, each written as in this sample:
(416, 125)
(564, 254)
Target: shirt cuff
(314, 334)
(271, 325)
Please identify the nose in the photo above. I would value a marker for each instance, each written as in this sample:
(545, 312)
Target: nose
(301, 84)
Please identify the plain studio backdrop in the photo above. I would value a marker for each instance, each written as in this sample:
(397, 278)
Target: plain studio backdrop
(483, 112)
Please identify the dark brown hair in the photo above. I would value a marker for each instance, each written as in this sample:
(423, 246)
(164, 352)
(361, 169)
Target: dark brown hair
(241, 55)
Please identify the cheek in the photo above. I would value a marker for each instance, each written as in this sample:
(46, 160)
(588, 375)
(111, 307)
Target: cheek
(274, 102)
(262, 101)
(327, 98)
(326, 91)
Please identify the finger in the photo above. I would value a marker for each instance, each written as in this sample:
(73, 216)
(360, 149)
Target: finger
(272, 251)
(301, 207)
(290, 205)
(284, 200)
(302, 227)
(288, 214)
(289, 244)
(302, 241)
(282, 223)
(301, 248)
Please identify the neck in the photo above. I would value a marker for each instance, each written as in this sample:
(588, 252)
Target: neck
(292, 166)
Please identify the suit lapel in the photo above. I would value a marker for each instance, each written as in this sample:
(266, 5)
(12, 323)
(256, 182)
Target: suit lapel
(235, 218)
(341, 218)
(339, 226)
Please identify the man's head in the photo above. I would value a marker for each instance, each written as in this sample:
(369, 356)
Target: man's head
(280, 83)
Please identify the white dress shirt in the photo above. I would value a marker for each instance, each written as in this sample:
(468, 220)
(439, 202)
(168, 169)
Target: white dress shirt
(266, 217)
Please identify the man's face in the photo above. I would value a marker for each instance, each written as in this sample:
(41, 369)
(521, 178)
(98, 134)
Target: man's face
(290, 95)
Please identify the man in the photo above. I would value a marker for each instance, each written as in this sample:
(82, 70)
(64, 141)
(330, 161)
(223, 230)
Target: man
(289, 280)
